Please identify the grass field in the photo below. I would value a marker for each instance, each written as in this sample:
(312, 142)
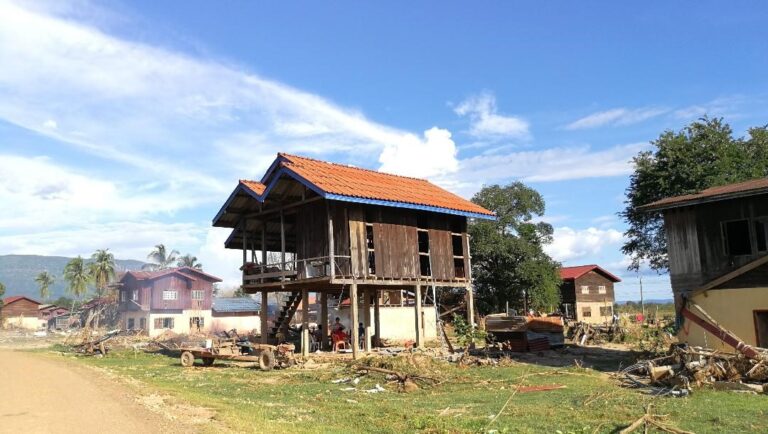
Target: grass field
(305, 401)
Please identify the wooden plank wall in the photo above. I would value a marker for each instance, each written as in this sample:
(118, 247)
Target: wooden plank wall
(441, 248)
(357, 246)
(184, 287)
(341, 237)
(312, 230)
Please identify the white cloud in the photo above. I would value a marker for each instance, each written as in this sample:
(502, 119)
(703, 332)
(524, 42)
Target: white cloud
(582, 244)
(725, 106)
(435, 155)
(555, 164)
(219, 261)
(617, 116)
(486, 122)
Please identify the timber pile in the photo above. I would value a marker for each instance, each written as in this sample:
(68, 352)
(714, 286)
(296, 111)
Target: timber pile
(687, 367)
(583, 333)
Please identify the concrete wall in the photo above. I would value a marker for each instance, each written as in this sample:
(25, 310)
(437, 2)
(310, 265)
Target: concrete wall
(180, 320)
(397, 323)
(733, 309)
(24, 322)
(596, 318)
(243, 324)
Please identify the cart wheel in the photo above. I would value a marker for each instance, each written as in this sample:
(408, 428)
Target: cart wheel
(187, 359)
(266, 360)
(208, 361)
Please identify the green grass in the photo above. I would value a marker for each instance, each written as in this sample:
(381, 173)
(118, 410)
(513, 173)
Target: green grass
(305, 401)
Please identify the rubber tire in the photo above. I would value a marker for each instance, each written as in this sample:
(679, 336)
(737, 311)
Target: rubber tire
(187, 359)
(208, 361)
(266, 360)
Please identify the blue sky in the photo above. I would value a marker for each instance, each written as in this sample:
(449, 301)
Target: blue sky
(125, 124)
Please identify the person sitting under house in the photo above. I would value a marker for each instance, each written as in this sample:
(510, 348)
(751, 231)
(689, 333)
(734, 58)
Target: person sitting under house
(338, 336)
(361, 335)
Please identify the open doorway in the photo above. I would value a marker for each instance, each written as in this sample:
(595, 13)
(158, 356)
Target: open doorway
(761, 328)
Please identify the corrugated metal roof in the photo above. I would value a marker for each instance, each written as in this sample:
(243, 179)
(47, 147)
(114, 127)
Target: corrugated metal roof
(235, 304)
(722, 192)
(580, 270)
(11, 299)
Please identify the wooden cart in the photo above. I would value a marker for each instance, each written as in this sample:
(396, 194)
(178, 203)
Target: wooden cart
(233, 348)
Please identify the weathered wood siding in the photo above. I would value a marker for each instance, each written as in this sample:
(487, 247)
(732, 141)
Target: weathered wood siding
(593, 280)
(21, 307)
(696, 245)
(396, 240)
(312, 230)
(184, 287)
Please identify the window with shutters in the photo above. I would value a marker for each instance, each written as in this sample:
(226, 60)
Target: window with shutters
(585, 289)
(197, 294)
(586, 312)
(170, 295)
(601, 289)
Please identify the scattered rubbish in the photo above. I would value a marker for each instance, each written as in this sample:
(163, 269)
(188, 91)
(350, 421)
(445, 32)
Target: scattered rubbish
(341, 380)
(348, 389)
(524, 333)
(525, 389)
(376, 389)
(583, 333)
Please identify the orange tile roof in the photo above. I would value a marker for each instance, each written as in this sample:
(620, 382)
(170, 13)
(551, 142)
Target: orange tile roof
(746, 188)
(580, 270)
(351, 181)
(254, 186)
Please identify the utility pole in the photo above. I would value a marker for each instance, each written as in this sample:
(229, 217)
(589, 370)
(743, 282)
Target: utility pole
(642, 304)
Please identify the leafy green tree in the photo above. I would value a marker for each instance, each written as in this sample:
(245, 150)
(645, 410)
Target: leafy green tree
(701, 155)
(77, 276)
(189, 261)
(63, 302)
(161, 258)
(44, 282)
(102, 270)
(509, 263)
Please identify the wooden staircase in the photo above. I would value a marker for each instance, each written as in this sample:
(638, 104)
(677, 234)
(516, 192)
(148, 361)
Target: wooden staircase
(290, 305)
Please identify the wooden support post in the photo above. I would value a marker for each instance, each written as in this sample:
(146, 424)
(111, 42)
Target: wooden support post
(324, 320)
(282, 244)
(417, 315)
(264, 317)
(353, 318)
(263, 248)
(304, 323)
(331, 247)
(376, 318)
(245, 241)
(367, 319)
(470, 301)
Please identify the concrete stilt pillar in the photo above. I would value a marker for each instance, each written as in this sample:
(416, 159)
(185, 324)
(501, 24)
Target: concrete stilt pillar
(304, 323)
(324, 320)
(470, 299)
(353, 318)
(376, 318)
(367, 319)
(417, 314)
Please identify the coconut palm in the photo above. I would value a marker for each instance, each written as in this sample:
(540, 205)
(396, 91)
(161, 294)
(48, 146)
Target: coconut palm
(161, 258)
(189, 261)
(102, 269)
(76, 274)
(44, 281)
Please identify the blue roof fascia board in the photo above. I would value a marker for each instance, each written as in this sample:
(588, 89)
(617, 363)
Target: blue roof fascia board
(271, 169)
(295, 176)
(343, 198)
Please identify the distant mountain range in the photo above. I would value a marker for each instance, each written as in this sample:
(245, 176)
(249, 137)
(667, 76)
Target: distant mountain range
(18, 272)
(650, 301)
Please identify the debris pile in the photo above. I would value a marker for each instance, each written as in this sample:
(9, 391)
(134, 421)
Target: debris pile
(583, 333)
(687, 367)
(524, 333)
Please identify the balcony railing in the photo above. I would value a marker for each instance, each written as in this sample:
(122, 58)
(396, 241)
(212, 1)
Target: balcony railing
(296, 269)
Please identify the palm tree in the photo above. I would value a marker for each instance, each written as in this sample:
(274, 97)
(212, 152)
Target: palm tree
(44, 281)
(76, 274)
(161, 258)
(102, 269)
(189, 261)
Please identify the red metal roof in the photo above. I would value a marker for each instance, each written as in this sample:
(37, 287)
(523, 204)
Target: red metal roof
(567, 273)
(722, 192)
(11, 299)
(184, 271)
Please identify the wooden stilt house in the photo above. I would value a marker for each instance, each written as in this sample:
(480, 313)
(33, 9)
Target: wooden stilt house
(329, 228)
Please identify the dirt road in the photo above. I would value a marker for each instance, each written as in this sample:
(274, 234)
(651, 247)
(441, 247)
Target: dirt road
(43, 395)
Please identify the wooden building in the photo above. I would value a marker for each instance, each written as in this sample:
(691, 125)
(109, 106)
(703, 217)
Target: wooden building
(333, 229)
(717, 243)
(587, 293)
(176, 299)
(21, 312)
